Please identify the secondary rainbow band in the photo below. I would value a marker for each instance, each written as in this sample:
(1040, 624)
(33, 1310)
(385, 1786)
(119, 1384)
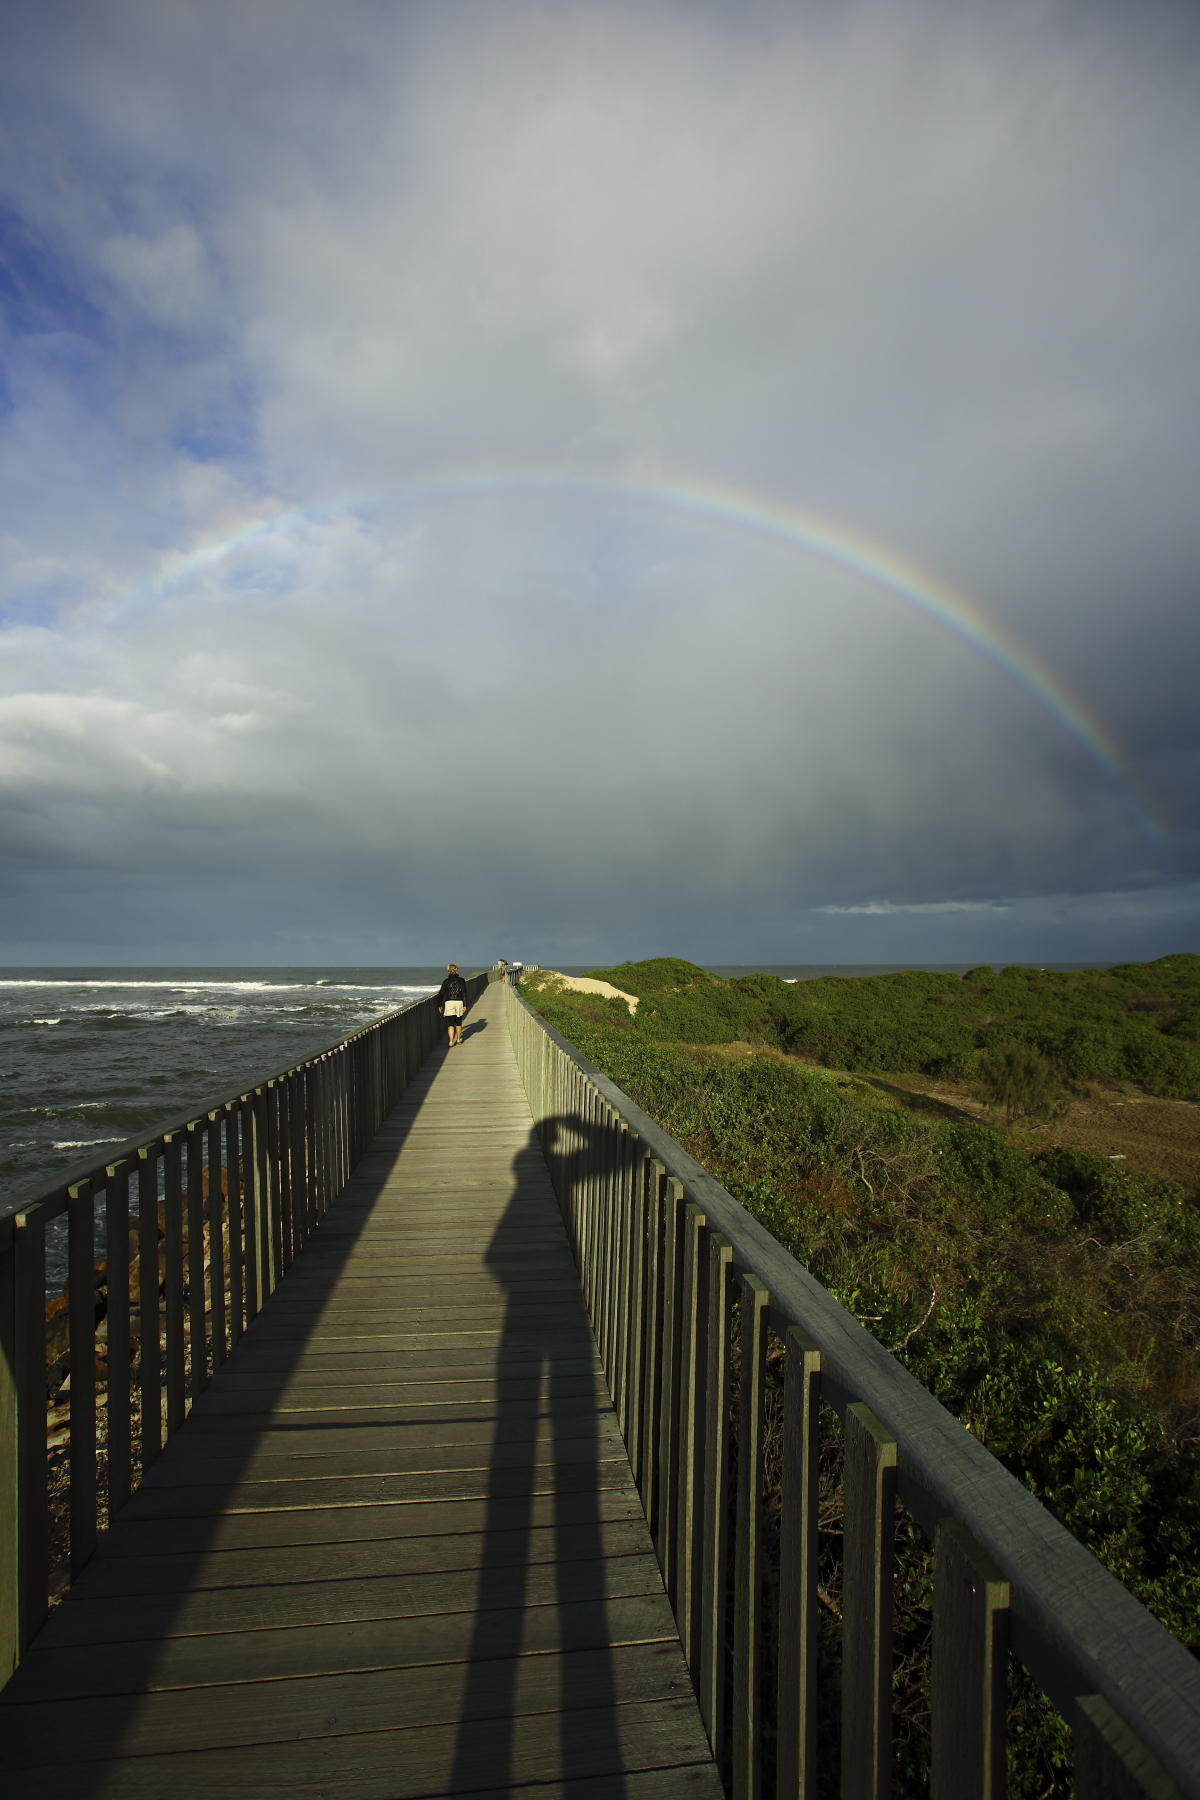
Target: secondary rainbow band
(885, 570)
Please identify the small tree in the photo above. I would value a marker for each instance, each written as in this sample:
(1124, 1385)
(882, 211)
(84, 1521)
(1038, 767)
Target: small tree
(1017, 1079)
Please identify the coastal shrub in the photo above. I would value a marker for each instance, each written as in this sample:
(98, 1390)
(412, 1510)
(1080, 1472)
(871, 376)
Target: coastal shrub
(1139, 1022)
(1050, 1301)
(1016, 1079)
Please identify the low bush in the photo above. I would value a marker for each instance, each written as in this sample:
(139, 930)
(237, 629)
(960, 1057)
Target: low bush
(1051, 1302)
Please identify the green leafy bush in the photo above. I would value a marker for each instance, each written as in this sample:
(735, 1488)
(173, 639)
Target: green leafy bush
(1139, 1022)
(1051, 1301)
(1017, 1079)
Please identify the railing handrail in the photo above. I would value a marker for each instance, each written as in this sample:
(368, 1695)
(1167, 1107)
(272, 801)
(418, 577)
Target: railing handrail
(92, 1169)
(1073, 1624)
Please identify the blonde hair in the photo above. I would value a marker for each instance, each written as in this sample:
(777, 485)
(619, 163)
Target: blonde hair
(452, 968)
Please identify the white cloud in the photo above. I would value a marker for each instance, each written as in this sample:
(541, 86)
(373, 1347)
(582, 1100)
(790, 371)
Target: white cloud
(883, 909)
(924, 269)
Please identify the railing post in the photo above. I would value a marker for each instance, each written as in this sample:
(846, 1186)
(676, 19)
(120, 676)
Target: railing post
(970, 1669)
(652, 1362)
(32, 1537)
(233, 1215)
(149, 1341)
(867, 1606)
(197, 1331)
(251, 1251)
(693, 1367)
(81, 1311)
(173, 1274)
(1111, 1763)
(216, 1244)
(117, 1336)
(10, 1454)
(748, 1561)
(631, 1422)
(668, 1455)
(796, 1774)
(717, 1446)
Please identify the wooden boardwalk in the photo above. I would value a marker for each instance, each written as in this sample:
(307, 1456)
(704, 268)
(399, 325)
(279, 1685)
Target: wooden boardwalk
(396, 1550)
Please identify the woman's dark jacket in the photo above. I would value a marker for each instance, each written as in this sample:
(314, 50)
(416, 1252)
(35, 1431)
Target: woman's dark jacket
(453, 988)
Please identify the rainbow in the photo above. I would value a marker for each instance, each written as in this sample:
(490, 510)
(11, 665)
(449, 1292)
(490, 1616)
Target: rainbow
(889, 573)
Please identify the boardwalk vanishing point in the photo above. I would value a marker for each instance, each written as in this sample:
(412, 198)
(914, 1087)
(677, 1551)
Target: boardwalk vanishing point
(396, 1550)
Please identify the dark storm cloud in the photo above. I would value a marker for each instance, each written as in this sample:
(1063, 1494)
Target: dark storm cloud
(927, 271)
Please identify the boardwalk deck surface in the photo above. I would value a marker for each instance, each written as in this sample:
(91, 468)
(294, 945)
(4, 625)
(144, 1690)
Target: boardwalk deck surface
(396, 1550)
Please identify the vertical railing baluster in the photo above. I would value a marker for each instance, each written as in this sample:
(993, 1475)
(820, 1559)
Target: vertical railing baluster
(867, 1606)
(748, 1553)
(264, 1179)
(149, 1340)
(233, 1215)
(797, 1690)
(611, 1140)
(693, 1368)
(652, 1335)
(10, 1459)
(283, 1130)
(81, 1321)
(33, 1550)
(614, 1157)
(197, 1328)
(635, 1325)
(297, 1161)
(117, 1336)
(970, 1669)
(173, 1279)
(216, 1244)
(668, 1459)
(714, 1659)
(251, 1206)
(588, 1208)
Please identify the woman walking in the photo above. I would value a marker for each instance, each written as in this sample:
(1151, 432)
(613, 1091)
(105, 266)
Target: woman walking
(452, 1003)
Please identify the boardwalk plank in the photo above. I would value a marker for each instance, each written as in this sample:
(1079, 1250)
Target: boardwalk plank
(425, 1761)
(371, 1700)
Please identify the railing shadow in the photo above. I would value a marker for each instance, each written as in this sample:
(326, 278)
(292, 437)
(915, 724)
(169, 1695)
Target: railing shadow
(545, 1465)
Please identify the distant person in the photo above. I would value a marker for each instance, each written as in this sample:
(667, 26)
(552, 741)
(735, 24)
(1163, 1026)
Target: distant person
(452, 1003)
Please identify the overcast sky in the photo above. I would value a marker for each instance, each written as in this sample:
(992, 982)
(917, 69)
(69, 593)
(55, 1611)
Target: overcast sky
(355, 359)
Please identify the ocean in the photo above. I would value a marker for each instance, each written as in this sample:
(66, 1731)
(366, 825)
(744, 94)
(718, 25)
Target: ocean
(89, 1057)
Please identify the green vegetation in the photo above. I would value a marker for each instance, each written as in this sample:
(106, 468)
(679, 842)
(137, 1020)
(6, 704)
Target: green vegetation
(1139, 1022)
(1017, 1080)
(1051, 1300)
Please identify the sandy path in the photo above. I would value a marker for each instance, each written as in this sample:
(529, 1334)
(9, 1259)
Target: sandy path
(1161, 1137)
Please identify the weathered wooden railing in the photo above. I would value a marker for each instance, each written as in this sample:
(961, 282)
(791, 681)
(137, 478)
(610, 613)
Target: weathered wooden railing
(668, 1261)
(201, 1218)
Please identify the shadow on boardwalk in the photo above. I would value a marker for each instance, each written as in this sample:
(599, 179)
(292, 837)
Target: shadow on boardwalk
(547, 1441)
(396, 1550)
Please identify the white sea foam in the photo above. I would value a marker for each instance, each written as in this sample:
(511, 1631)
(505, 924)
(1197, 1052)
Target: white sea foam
(328, 988)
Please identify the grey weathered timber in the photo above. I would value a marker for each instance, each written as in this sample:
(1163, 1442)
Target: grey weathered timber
(396, 1547)
(870, 1535)
(1079, 1633)
(970, 1653)
(713, 1648)
(754, 1302)
(1110, 1764)
(797, 1695)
